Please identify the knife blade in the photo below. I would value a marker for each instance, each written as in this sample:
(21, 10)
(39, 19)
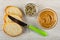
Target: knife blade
(17, 21)
(35, 29)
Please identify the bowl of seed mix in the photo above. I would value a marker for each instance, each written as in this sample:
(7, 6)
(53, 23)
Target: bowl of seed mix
(30, 9)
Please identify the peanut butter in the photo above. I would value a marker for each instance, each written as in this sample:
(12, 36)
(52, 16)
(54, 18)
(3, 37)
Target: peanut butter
(47, 18)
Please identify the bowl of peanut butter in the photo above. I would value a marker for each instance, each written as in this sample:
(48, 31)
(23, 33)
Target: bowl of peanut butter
(47, 18)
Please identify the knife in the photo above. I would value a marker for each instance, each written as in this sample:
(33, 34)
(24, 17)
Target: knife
(33, 28)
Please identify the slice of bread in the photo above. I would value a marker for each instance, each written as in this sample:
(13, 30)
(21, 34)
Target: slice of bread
(7, 20)
(12, 29)
(13, 10)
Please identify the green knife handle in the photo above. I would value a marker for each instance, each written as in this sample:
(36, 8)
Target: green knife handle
(37, 30)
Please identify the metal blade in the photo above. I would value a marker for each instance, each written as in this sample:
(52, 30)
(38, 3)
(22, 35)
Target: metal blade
(17, 21)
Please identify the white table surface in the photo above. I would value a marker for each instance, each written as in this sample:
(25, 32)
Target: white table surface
(53, 34)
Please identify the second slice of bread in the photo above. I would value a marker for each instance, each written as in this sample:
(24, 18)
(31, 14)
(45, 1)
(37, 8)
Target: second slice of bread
(7, 20)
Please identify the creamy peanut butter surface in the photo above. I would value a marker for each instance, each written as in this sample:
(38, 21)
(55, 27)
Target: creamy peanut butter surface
(47, 18)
